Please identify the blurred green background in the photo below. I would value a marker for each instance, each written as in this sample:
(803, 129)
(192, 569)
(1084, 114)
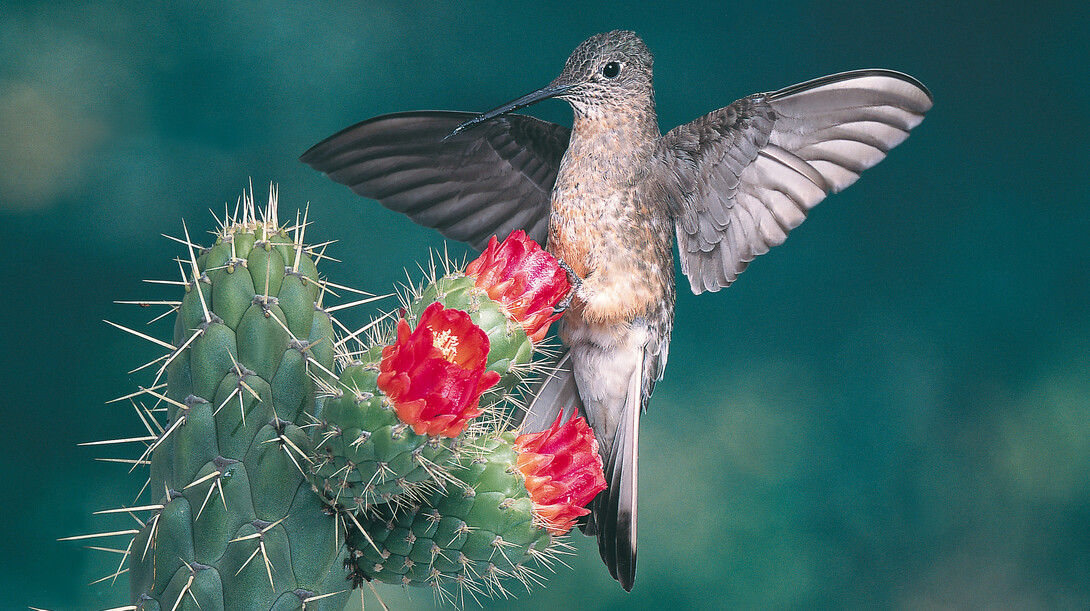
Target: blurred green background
(889, 411)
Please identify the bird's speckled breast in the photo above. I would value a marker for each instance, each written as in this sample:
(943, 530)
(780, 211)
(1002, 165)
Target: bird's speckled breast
(608, 227)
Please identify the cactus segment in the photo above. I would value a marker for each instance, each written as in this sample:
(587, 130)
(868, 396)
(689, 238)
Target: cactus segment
(234, 523)
(365, 455)
(477, 530)
(500, 516)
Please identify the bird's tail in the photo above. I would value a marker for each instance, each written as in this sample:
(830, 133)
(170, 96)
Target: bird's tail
(613, 511)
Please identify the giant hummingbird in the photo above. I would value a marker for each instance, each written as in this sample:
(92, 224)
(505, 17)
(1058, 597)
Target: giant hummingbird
(607, 198)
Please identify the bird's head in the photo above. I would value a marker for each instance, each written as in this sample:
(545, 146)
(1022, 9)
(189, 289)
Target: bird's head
(607, 71)
(606, 74)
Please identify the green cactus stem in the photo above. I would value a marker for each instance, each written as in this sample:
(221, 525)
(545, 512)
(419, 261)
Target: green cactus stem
(502, 515)
(370, 451)
(232, 522)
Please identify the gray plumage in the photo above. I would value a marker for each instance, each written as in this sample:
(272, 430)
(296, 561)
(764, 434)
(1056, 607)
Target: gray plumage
(749, 173)
(470, 187)
(610, 195)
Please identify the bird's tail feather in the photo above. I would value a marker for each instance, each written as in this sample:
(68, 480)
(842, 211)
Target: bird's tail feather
(555, 394)
(614, 512)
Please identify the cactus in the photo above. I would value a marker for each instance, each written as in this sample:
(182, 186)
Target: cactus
(379, 439)
(282, 466)
(501, 514)
(232, 522)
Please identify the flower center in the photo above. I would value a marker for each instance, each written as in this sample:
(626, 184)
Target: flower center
(447, 343)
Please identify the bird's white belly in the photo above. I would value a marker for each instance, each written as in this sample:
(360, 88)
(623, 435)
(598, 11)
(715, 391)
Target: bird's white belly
(605, 357)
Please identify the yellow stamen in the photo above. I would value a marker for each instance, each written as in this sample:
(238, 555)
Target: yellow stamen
(447, 343)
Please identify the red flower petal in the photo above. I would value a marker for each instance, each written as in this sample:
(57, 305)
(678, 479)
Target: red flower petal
(525, 279)
(434, 375)
(562, 470)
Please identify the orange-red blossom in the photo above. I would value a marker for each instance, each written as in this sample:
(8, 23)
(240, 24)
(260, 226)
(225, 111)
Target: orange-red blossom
(434, 375)
(563, 472)
(525, 279)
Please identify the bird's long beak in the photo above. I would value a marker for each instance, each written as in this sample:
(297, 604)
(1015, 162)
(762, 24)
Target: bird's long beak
(551, 90)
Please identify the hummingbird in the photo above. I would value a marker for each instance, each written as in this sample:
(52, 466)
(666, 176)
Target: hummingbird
(608, 197)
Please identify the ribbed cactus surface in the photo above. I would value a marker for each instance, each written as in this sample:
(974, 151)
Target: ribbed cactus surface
(286, 468)
(233, 522)
(364, 455)
(481, 526)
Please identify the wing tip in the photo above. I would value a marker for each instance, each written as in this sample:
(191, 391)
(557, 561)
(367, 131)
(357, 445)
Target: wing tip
(332, 144)
(908, 78)
(311, 156)
(923, 105)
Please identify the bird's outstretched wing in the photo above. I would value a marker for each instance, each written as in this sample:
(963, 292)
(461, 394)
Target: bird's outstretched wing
(740, 178)
(490, 180)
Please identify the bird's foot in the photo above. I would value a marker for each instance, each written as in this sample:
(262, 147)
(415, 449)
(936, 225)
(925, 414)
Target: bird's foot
(563, 304)
(575, 282)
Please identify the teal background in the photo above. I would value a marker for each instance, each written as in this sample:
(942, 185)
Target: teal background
(889, 411)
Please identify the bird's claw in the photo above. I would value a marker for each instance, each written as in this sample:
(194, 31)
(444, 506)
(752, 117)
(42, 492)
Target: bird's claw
(562, 305)
(575, 282)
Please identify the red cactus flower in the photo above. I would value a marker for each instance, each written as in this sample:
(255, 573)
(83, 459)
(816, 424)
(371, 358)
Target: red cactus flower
(434, 375)
(563, 472)
(525, 279)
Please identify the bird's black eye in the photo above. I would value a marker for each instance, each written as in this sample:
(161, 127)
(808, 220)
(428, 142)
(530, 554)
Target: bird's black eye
(611, 70)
